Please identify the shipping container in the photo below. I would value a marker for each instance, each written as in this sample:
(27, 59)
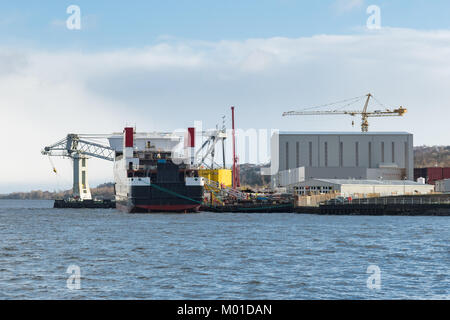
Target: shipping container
(434, 174)
(446, 173)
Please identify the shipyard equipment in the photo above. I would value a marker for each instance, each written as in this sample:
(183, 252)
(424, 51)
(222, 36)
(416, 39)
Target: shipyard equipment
(365, 114)
(236, 173)
(208, 148)
(218, 179)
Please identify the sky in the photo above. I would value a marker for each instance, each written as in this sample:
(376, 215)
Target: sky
(161, 65)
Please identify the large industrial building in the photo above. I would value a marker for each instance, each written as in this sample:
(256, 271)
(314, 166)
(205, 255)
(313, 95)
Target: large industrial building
(352, 187)
(300, 156)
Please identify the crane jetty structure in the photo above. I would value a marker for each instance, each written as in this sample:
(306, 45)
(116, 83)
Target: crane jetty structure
(79, 148)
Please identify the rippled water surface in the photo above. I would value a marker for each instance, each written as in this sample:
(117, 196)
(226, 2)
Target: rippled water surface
(218, 256)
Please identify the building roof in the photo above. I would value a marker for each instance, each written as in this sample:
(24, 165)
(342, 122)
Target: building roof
(374, 133)
(369, 182)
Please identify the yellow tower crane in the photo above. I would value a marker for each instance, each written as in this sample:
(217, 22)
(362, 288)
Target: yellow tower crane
(364, 113)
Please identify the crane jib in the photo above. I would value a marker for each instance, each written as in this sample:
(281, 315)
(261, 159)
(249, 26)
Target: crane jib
(364, 113)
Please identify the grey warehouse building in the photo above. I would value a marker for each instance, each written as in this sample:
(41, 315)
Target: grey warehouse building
(300, 156)
(346, 187)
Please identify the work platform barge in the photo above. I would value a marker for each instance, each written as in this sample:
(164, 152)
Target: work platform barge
(406, 205)
(429, 205)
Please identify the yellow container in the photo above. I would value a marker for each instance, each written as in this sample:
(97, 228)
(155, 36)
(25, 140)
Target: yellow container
(222, 176)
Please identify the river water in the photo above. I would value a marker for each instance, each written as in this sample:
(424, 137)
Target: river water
(219, 256)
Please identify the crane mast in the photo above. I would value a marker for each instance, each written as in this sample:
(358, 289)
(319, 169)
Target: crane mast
(365, 115)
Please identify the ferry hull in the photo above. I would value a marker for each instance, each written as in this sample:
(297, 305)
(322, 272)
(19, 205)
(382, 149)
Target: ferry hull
(158, 208)
(147, 199)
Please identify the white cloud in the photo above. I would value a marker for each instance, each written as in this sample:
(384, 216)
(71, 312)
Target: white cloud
(342, 6)
(44, 95)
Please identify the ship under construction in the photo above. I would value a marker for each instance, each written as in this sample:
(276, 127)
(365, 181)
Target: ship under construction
(153, 172)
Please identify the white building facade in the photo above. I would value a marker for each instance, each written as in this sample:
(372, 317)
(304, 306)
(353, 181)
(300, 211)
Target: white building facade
(299, 156)
(351, 187)
(443, 186)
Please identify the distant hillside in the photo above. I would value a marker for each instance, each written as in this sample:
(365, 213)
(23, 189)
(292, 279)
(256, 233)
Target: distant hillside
(424, 156)
(438, 156)
(251, 175)
(103, 191)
